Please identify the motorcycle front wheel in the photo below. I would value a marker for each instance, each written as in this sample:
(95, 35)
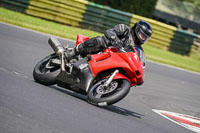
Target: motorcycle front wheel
(45, 73)
(116, 91)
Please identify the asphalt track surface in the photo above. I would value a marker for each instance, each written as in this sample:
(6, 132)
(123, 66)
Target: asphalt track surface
(28, 107)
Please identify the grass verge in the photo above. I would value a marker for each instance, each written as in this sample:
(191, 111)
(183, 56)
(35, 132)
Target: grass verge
(70, 32)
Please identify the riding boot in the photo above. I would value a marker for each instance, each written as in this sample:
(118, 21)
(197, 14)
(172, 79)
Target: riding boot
(71, 53)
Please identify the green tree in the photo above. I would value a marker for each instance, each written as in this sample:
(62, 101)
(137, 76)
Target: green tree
(193, 11)
(195, 2)
(140, 7)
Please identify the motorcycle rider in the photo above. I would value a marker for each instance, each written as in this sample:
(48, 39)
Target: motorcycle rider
(121, 36)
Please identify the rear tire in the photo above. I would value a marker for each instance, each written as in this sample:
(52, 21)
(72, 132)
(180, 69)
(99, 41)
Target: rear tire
(99, 97)
(45, 74)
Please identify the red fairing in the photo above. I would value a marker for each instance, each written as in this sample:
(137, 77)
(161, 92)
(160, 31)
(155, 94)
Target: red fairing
(81, 38)
(113, 58)
(129, 62)
(121, 76)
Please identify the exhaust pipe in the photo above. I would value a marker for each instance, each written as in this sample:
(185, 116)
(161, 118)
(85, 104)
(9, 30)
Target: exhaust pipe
(56, 46)
(59, 50)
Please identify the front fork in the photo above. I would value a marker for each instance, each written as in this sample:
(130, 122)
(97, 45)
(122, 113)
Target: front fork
(110, 79)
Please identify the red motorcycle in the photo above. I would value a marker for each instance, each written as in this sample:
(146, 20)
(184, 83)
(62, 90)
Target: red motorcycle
(105, 77)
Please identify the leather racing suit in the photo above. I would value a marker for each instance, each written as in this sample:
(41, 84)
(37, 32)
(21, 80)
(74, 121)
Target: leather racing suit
(119, 34)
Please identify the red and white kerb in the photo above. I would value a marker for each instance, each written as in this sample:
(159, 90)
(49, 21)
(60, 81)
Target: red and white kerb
(189, 122)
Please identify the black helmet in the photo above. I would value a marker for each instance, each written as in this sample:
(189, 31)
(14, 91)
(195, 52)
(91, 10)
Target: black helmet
(141, 32)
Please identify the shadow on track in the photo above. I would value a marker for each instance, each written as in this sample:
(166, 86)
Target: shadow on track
(122, 111)
(112, 108)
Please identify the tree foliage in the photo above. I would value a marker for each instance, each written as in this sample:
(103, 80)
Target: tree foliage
(140, 7)
(195, 2)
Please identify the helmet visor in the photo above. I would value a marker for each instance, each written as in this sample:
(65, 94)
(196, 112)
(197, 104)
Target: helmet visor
(141, 35)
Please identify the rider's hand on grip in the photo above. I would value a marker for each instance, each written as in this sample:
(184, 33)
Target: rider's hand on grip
(116, 42)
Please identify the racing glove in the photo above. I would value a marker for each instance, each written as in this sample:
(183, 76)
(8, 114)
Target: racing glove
(116, 42)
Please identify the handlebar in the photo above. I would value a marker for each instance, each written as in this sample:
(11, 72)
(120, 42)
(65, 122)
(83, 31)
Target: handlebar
(118, 44)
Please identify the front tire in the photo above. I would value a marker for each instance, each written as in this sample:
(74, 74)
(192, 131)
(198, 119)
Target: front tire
(44, 73)
(115, 92)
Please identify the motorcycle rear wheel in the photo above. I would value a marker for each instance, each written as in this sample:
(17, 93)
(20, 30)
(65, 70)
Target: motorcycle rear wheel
(115, 92)
(44, 73)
